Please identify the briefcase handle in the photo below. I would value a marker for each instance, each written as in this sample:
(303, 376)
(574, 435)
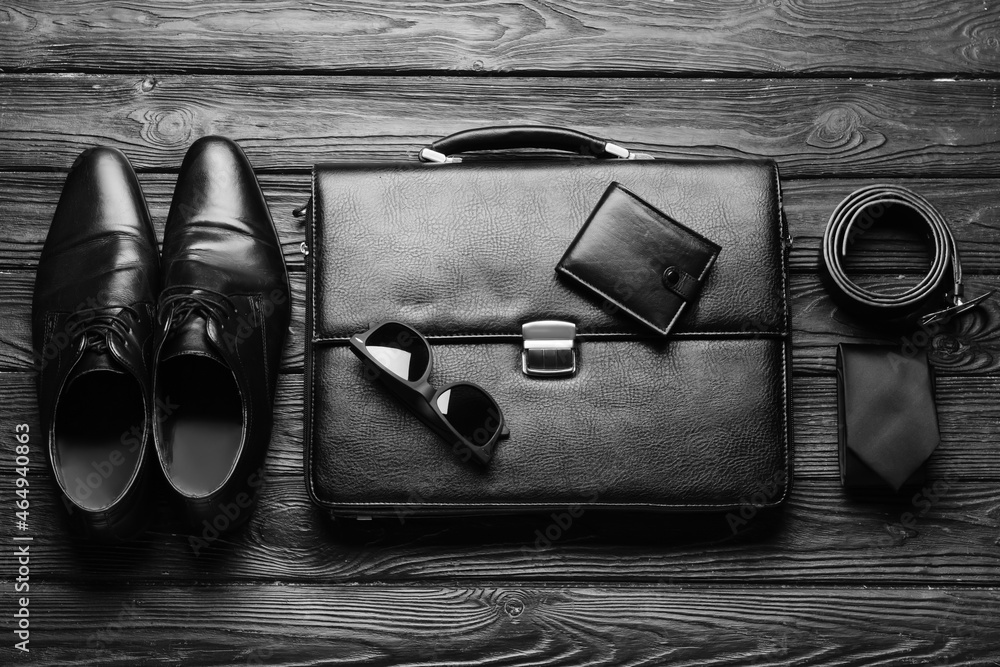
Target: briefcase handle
(524, 136)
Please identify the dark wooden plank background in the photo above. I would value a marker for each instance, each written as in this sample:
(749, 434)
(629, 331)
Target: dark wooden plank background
(840, 94)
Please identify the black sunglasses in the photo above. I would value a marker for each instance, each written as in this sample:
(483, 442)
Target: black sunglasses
(462, 413)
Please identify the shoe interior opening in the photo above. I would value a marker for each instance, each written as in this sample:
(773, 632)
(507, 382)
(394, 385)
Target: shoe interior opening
(98, 436)
(202, 422)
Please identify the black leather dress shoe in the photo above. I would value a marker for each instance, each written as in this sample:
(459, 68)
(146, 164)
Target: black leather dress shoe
(92, 331)
(224, 313)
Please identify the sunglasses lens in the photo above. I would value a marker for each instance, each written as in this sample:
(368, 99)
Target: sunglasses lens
(399, 349)
(471, 412)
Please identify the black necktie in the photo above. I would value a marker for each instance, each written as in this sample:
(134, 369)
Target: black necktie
(888, 422)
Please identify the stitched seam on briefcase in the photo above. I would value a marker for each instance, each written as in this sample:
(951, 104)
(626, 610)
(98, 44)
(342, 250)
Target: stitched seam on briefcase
(784, 422)
(312, 334)
(548, 505)
(782, 229)
(315, 251)
(629, 335)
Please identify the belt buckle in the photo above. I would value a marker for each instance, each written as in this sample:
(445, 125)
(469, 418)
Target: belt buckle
(549, 348)
(957, 307)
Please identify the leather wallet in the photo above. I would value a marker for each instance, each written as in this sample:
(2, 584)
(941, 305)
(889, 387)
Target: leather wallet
(886, 416)
(638, 260)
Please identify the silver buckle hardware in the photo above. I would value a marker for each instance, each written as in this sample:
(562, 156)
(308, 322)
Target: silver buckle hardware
(958, 306)
(548, 348)
(624, 153)
(430, 155)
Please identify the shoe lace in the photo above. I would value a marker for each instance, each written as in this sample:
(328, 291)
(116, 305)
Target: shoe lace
(95, 326)
(177, 307)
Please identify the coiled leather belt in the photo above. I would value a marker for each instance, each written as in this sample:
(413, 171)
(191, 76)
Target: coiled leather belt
(859, 211)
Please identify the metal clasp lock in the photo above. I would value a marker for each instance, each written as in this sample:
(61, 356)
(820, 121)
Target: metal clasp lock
(549, 348)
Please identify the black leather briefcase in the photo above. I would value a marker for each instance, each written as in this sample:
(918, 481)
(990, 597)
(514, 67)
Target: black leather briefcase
(465, 253)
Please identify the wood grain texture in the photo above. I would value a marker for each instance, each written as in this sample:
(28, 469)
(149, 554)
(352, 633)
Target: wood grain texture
(28, 202)
(945, 533)
(821, 537)
(971, 207)
(968, 410)
(280, 624)
(968, 346)
(551, 36)
(16, 353)
(836, 127)
(832, 579)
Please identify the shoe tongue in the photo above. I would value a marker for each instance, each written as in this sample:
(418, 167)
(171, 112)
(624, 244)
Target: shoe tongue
(190, 337)
(93, 361)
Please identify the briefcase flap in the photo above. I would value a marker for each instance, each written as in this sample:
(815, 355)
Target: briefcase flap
(466, 254)
(471, 249)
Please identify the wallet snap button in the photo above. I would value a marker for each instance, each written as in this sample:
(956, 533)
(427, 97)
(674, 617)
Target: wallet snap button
(671, 276)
